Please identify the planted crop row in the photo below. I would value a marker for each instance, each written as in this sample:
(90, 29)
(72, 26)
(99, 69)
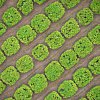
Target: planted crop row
(67, 60)
(25, 6)
(92, 94)
(12, 16)
(54, 11)
(81, 78)
(11, 74)
(24, 64)
(68, 88)
(40, 23)
(16, 42)
(55, 40)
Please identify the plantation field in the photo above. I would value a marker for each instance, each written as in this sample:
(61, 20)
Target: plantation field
(50, 51)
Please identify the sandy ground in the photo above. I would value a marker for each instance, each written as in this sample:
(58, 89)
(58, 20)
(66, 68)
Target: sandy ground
(54, 54)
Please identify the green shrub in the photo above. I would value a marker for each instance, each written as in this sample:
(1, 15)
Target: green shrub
(53, 96)
(10, 98)
(2, 57)
(55, 11)
(70, 28)
(11, 17)
(40, 23)
(39, 1)
(95, 6)
(2, 87)
(82, 99)
(94, 93)
(94, 65)
(23, 93)
(70, 3)
(68, 59)
(38, 83)
(3, 28)
(10, 75)
(82, 77)
(40, 52)
(25, 6)
(55, 40)
(94, 35)
(24, 64)
(2, 2)
(67, 88)
(83, 47)
(85, 16)
(26, 34)
(53, 70)
(10, 46)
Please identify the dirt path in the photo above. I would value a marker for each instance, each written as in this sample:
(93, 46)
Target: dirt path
(39, 66)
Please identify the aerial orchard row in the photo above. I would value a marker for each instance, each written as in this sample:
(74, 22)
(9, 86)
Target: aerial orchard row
(39, 24)
(12, 16)
(54, 12)
(55, 40)
(25, 6)
(68, 88)
(93, 93)
(40, 52)
(67, 60)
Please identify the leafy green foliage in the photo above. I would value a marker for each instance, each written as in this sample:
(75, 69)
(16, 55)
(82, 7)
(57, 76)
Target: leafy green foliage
(2, 2)
(25, 6)
(70, 28)
(94, 65)
(85, 16)
(53, 96)
(25, 34)
(94, 35)
(83, 47)
(23, 93)
(2, 57)
(67, 88)
(10, 98)
(94, 93)
(40, 23)
(55, 11)
(53, 70)
(70, 3)
(83, 99)
(39, 1)
(95, 6)
(82, 77)
(24, 64)
(68, 59)
(10, 75)
(40, 52)
(10, 46)
(11, 17)
(2, 87)
(55, 40)
(3, 28)
(38, 83)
